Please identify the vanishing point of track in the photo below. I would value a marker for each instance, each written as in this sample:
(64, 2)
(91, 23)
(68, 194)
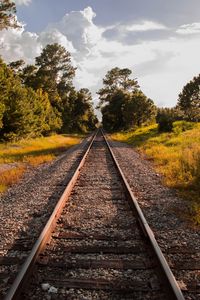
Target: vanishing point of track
(97, 243)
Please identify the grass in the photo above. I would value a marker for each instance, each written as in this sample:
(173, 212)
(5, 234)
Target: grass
(9, 177)
(176, 155)
(31, 152)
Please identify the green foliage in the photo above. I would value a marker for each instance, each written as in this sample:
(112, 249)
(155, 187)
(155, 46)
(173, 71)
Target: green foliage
(189, 100)
(165, 118)
(78, 115)
(122, 104)
(23, 112)
(116, 80)
(54, 67)
(2, 110)
(7, 14)
(40, 99)
(53, 73)
(138, 110)
(113, 112)
(181, 126)
(17, 66)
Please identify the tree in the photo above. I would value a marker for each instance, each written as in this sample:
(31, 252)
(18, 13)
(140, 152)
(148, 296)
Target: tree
(113, 112)
(122, 103)
(189, 100)
(46, 119)
(17, 66)
(83, 111)
(53, 73)
(39, 99)
(7, 15)
(54, 67)
(138, 110)
(117, 85)
(165, 118)
(28, 76)
(78, 111)
(116, 80)
(3, 90)
(23, 112)
(2, 110)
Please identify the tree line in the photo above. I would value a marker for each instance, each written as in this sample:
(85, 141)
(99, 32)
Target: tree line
(124, 105)
(40, 99)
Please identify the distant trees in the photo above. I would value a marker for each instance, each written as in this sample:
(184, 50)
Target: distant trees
(40, 99)
(189, 100)
(23, 112)
(116, 80)
(7, 14)
(139, 110)
(187, 108)
(122, 103)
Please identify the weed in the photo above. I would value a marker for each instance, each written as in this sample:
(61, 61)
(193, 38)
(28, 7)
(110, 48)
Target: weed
(176, 155)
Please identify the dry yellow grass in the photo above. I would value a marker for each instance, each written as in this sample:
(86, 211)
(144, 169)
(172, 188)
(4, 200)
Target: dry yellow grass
(31, 152)
(176, 155)
(37, 160)
(9, 177)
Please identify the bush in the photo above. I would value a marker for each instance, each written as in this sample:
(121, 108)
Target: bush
(181, 126)
(165, 122)
(165, 118)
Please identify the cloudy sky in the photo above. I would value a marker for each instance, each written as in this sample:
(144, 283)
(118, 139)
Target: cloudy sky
(158, 40)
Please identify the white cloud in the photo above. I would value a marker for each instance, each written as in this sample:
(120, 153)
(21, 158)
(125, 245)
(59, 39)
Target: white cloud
(54, 36)
(19, 44)
(189, 29)
(145, 26)
(22, 2)
(133, 33)
(79, 28)
(162, 66)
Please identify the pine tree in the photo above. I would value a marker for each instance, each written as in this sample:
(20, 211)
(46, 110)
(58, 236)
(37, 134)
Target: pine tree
(7, 14)
(122, 103)
(189, 100)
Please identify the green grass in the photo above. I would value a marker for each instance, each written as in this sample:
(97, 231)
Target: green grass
(30, 152)
(176, 155)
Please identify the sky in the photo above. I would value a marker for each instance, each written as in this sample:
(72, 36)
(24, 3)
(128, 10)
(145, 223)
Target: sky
(158, 40)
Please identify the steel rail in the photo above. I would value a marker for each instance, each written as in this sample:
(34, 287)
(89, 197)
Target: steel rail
(166, 273)
(23, 275)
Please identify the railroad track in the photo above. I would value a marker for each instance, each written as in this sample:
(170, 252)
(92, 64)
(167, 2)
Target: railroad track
(97, 243)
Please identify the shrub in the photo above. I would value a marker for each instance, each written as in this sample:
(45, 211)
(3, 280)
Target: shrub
(165, 118)
(181, 126)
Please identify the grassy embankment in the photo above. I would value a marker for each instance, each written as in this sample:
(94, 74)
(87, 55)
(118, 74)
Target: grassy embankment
(176, 155)
(15, 157)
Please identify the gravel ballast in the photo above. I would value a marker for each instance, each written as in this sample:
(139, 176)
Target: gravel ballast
(162, 209)
(26, 206)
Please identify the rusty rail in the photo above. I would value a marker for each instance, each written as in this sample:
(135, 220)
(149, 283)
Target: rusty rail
(22, 277)
(172, 286)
